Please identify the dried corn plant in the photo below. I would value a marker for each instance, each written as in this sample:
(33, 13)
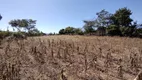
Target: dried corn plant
(70, 58)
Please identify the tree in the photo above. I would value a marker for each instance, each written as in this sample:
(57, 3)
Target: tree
(26, 24)
(127, 31)
(113, 30)
(78, 31)
(31, 24)
(103, 20)
(122, 17)
(69, 30)
(130, 30)
(25, 27)
(119, 23)
(88, 27)
(62, 31)
(139, 30)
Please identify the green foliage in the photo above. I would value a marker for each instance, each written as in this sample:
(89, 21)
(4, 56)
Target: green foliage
(88, 27)
(26, 24)
(4, 34)
(117, 24)
(19, 35)
(139, 30)
(127, 31)
(71, 30)
(103, 19)
(26, 27)
(62, 31)
(113, 30)
(78, 31)
(122, 17)
(35, 32)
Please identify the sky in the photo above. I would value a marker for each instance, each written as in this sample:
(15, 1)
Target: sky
(53, 15)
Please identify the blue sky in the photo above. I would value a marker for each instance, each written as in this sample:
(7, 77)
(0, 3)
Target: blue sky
(52, 15)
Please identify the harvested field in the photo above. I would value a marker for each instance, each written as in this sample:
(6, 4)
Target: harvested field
(71, 58)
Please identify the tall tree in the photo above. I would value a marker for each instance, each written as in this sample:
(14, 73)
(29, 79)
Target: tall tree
(103, 19)
(122, 17)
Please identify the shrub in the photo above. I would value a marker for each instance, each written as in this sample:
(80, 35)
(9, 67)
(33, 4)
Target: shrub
(4, 34)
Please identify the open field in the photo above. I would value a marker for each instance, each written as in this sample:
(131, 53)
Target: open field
(71, 58)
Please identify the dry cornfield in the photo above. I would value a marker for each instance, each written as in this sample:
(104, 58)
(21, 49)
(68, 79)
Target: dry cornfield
(71, 58)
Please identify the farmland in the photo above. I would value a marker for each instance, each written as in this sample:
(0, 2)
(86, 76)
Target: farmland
(67, 57)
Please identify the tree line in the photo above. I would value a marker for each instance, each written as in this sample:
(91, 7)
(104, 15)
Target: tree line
(21, 27)
(71, 31)
(118, 24)
(105, 24)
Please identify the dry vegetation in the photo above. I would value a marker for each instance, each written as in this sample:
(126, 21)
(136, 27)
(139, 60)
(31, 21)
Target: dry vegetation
(71, 58)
